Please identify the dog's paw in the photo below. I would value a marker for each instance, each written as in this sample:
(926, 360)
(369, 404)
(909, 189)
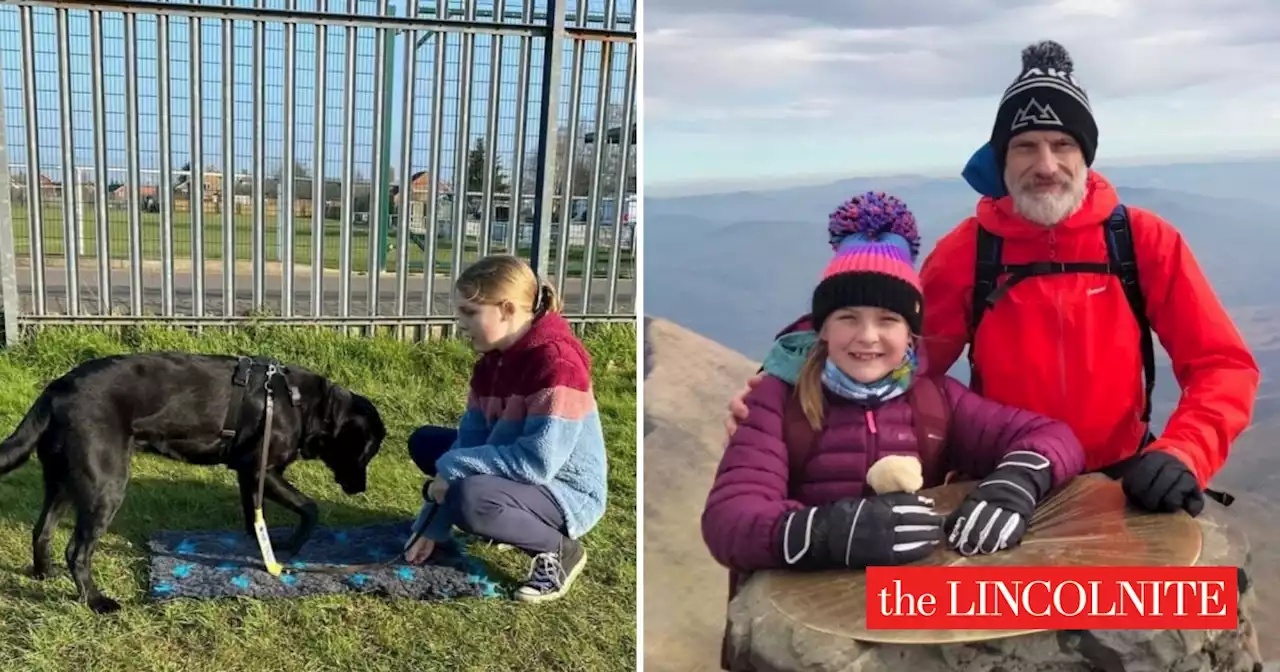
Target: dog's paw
(40, 573)
(103, 605)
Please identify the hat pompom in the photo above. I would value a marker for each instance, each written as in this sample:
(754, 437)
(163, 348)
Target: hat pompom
(1047, 54)
(874, 217)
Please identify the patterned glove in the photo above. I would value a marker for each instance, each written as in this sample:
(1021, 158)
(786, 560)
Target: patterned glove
(1158, 481)
(995, 515)
(890, 529)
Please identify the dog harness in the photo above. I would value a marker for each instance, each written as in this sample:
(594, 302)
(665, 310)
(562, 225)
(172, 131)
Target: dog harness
(269, 368)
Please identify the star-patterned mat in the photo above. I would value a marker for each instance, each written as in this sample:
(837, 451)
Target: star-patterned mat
(226, 563)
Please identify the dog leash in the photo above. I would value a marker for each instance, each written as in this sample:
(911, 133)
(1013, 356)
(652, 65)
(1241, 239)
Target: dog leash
(269, 561)
(345, 569)
(259, 521)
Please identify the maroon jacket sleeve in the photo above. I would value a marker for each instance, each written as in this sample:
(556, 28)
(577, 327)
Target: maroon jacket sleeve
(749, 497)
(983, 431)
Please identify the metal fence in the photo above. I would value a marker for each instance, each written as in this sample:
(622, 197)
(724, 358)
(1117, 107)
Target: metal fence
(317, 161)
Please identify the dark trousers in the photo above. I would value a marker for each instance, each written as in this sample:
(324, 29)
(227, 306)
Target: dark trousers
(495, 508)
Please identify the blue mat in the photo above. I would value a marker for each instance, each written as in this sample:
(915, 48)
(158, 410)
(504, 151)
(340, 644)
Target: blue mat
(227, 563)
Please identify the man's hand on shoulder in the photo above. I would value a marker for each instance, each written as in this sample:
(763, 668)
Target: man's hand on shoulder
(738, 406)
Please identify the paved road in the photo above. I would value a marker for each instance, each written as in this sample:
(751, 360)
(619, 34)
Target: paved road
(56, 299)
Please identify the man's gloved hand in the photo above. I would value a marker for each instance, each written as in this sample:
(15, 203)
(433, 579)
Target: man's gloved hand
(890, 529)
(995, 515)
(1158, 481)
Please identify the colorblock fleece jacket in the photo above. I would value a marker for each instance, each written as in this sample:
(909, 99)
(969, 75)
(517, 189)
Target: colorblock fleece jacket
(531, 417)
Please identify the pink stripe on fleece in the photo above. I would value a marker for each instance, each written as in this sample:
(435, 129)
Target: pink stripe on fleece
(560, 401)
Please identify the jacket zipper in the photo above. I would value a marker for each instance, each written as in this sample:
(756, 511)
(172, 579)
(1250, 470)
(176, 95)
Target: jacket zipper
(1061, 339)
(873, 447)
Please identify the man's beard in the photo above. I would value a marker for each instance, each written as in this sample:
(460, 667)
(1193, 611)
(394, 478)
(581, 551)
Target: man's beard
(1049, 208)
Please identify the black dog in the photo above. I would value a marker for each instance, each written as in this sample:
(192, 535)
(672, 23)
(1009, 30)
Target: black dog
(199, 409)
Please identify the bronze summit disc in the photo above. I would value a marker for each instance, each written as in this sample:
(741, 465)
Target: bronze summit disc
(1088, 522)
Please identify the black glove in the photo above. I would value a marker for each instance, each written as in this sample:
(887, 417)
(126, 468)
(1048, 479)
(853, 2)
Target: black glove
(890, 529)
(1158, 481)
(995, 515)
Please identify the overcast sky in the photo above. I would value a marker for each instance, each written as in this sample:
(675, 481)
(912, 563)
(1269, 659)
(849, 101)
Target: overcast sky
(751, 90)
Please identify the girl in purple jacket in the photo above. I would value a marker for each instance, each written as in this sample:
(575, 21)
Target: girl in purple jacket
(768, 509)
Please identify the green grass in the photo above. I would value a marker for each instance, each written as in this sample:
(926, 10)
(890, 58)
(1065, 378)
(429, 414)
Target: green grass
(118, 244)
(42, 627)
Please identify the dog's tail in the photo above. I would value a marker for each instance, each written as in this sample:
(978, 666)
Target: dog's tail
(16, 449)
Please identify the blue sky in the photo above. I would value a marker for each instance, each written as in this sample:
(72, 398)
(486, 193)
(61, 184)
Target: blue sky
(366, 110)
(749, 92)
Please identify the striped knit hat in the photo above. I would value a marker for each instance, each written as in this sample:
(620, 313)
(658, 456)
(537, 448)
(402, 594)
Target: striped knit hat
(1045, 97)
(876, 242)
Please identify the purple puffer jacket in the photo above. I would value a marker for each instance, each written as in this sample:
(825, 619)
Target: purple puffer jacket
(749, 496)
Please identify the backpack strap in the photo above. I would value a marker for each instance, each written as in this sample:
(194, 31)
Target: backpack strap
(800, 439)
(933, 423)
(1121, 252)
(986, 274)
(990, 267)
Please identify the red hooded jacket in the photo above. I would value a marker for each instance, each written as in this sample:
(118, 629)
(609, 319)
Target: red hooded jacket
(1067, 346)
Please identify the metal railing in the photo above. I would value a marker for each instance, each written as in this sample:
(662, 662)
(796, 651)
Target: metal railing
(332, 162)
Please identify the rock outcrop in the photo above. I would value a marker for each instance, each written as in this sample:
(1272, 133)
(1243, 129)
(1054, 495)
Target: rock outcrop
(687, 386)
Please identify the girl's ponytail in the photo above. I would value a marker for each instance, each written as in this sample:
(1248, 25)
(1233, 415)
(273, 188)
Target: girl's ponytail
(548, 301)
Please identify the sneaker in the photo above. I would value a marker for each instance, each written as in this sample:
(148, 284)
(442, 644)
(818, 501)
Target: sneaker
(551, 574)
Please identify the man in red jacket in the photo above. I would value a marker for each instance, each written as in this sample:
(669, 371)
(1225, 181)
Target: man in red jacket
(1057, 333)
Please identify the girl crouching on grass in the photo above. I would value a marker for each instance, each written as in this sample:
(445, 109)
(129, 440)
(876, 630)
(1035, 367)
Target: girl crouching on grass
(526, 465)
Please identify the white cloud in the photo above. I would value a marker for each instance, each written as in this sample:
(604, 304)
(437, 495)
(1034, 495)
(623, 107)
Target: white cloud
(716, 62)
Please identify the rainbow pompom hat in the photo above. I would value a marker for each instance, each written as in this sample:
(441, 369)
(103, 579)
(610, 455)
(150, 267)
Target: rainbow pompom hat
(876, 242)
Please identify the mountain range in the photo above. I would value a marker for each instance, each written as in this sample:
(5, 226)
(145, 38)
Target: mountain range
(737, 266)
